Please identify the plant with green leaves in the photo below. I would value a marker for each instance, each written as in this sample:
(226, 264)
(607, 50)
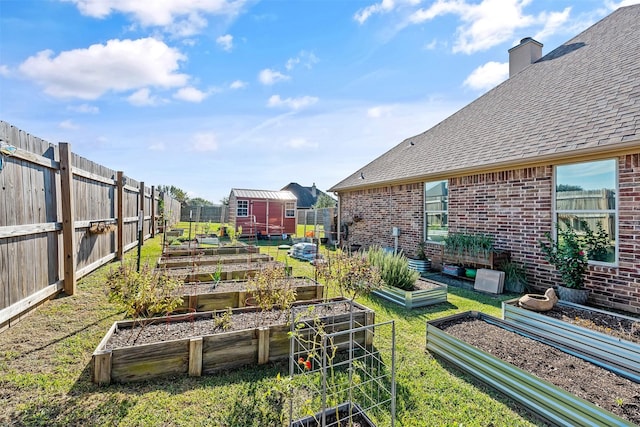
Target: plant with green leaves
(351, 275)
(393, 268)
(515, 276)
(597, 242)
(270, 288)
(143, 293)
(567, 254)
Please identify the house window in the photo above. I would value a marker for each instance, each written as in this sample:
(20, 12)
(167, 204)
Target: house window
(435, 210)
(243, 208)
(290, 209)
(586, 199)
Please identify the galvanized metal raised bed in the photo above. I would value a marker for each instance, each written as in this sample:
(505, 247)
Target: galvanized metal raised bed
(306, 289)
(612, 353)
(541, 397)
(198, 355)
(414, 299)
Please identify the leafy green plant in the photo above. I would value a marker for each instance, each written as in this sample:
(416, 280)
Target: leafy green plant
(270, 288)
(352, 275)
(597, 242)
(515, 276)
(223, 321)
(567, 254)
(421, 252)
(461, 244)
(394, 268)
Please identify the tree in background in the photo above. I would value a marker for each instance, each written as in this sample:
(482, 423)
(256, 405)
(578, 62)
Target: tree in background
(175, 192)
(199, 201)
(324, 201)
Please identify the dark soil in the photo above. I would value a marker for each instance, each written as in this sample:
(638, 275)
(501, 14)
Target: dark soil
(164, 329)
(199, 288)
(583, 379)
(617, 326)
(425, 285)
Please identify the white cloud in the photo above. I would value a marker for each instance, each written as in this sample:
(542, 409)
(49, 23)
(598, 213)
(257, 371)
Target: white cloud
(293, 103)
(157, 147)
(119, 65)
(4, 71)
(487, 76)
(301, 143)
(190, 94)
(203, 142)
(383, 7)
(68, 124)
(179, 17)
(84, 108)
(431, 45)
(306, 59)
(377, 112)
(553, 22)
(225, 42)
(142, 98)
(269, 76)
(238, 84)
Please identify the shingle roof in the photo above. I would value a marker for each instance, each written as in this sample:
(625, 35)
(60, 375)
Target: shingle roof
(584, 95)
(263, 194)
(304, 194)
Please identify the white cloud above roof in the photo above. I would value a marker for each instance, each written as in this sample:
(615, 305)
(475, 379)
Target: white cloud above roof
(237, 84)
(118, 66)
(487, 76)
(204, 142)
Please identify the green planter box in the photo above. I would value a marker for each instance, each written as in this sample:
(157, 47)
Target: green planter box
(435, 294)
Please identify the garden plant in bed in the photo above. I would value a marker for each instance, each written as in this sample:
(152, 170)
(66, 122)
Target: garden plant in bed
(403, 285)
(206, 342)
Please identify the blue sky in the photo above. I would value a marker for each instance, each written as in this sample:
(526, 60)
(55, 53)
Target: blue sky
(210, 95)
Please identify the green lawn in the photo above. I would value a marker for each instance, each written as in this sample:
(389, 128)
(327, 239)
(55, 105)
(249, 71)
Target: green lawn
(45, 371)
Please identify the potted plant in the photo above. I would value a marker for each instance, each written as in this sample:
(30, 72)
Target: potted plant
(568, 255)
(420, 263)
(515, 276)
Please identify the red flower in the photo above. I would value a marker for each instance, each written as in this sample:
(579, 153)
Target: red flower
(581, 253)
(307, 365)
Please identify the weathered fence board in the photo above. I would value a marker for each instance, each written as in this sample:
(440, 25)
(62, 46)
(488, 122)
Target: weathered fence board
(45, 246)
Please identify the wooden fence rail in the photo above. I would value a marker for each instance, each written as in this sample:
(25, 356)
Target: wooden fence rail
(61, 217)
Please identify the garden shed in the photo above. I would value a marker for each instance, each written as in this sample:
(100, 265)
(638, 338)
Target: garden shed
(557, 142)
(262, 212)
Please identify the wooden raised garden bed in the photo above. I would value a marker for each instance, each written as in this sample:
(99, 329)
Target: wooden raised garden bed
(618, 355)
(203, 348)
(209, 296)
(186, 261)
(177, 251)
(547, 400)
(205, 273)
(428, 292)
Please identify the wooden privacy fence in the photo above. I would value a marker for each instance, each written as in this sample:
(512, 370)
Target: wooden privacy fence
(61, 217)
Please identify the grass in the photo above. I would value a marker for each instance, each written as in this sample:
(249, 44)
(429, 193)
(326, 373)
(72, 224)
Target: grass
(45, 373)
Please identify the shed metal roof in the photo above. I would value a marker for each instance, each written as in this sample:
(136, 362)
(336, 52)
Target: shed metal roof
(264, 194)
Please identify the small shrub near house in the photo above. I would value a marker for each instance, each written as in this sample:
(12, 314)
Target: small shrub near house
(394, 268)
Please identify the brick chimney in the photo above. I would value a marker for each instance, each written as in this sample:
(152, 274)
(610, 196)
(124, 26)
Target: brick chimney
(523, 55)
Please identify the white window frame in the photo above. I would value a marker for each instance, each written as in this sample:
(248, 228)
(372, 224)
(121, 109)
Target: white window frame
(289, 209)
(425, 235)
(556, 211)
(245, 208)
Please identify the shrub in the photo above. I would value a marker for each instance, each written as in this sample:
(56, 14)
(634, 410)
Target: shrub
(270, 288)
(567, 254)
(394, 268)
(351, 274)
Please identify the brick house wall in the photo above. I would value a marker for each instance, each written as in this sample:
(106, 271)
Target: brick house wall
(516, 208)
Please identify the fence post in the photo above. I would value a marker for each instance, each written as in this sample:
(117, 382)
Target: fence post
(120, 214)
(141, 208)
(68, 219)
(153, 211)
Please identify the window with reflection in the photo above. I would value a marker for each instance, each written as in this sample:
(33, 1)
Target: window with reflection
(435, 210)
(586, 200)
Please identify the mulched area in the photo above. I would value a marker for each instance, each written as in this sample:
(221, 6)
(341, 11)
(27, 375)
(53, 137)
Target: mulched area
(425, 285)
(193, 326)
(583, 379)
